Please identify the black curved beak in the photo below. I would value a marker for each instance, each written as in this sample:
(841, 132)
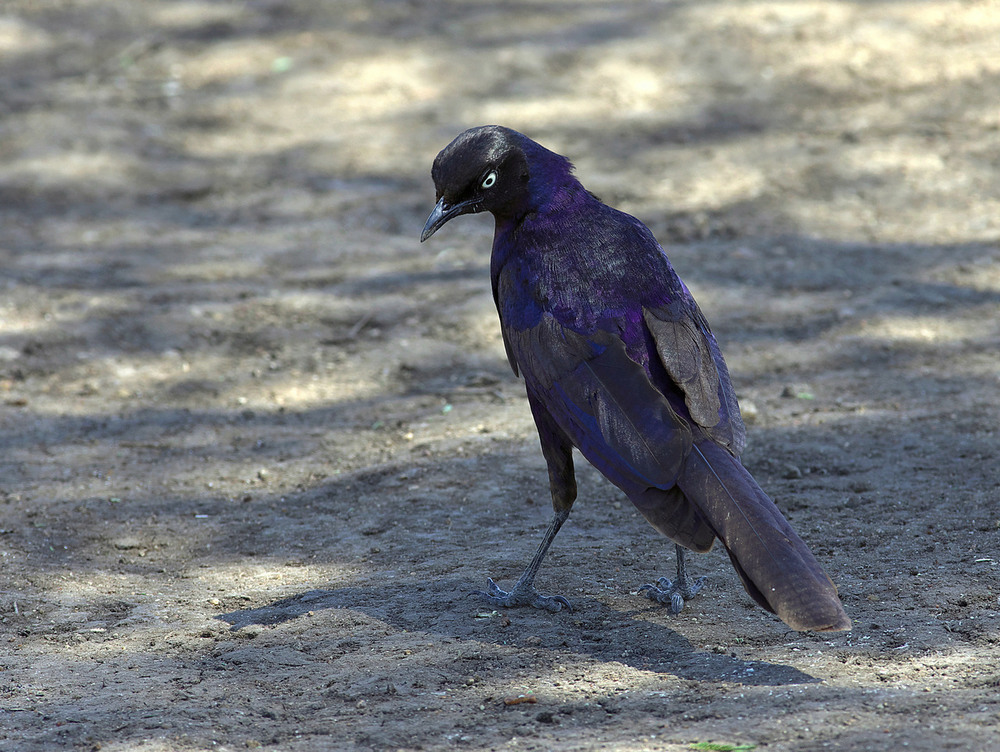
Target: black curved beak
(442, 213)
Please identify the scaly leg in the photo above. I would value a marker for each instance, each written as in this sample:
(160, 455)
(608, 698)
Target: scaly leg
(674, 592)
(558, 453)
(523, 593)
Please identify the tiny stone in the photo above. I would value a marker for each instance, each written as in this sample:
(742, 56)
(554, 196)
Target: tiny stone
(791, 472)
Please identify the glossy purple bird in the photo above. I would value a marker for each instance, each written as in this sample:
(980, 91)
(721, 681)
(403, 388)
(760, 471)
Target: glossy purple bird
(619, 362)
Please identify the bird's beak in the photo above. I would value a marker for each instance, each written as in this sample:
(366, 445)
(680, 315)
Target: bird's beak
(443, 212)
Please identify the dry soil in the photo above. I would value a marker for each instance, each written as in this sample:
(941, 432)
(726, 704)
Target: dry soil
(259, 445)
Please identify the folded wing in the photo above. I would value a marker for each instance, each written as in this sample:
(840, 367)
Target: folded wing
(673, 452)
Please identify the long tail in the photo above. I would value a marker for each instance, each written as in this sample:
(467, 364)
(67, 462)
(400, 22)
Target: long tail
(778, 570)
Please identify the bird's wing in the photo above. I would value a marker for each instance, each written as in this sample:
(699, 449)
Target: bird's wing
(604, 401)
(693, 361)
(689, 486)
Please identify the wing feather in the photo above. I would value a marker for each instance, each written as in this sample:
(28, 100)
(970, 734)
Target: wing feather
(605, 403)
(688, 351)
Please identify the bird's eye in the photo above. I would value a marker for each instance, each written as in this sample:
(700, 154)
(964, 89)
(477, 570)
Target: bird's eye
(490, 180)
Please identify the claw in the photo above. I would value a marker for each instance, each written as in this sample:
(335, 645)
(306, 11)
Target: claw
(555, 602)
(495, 596)
(675, 593)
(686, 589)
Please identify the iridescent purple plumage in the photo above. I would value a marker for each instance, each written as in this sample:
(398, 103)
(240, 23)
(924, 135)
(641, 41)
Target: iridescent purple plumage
(619, 362)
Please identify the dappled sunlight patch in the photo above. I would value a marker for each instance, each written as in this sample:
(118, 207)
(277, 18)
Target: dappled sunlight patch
(21, 37)
(726, 177)
(239, 62)
(982, 275)
(15, 323)
(299, 394)
(379, 83)
(258, 577)
(639, 87)
(839, 43)
(216, 270)
(101, 170)
(313, 103)
(902, 157)
(770, 17)
(191, 14)
(544, 110)
(927, 329)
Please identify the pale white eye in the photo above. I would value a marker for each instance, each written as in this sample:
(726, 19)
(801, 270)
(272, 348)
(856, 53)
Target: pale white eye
(490, 180)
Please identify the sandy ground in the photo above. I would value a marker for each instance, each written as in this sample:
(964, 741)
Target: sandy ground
(259, 445)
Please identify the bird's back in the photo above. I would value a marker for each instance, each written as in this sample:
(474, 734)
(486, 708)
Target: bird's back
(595, 270)
(589, 265)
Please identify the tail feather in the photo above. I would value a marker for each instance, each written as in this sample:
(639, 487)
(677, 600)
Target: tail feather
(777, 569)
(676, 517)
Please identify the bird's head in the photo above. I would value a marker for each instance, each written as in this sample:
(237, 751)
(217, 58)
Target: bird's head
(485, 169)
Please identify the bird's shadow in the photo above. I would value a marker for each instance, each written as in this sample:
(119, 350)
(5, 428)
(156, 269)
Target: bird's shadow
(593, 629)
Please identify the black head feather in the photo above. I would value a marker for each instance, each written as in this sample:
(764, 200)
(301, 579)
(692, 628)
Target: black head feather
(490, 168)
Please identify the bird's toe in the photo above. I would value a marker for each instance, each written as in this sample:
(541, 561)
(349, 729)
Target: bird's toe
(552, 603)
(656, 593)
(667, 596)
(689, 589)
(671, 592)
(517, 596)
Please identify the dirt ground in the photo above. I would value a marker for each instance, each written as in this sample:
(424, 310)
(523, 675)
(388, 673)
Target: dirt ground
(260, 445)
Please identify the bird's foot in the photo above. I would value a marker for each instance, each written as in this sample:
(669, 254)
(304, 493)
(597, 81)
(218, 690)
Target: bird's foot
(673, 592)
(520, 595)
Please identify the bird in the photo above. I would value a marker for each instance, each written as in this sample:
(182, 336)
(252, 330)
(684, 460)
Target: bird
(619, 363)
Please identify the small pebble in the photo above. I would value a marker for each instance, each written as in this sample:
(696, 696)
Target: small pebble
(519, 699)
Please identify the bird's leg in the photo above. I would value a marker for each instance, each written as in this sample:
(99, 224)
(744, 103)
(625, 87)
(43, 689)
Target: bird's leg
(523, 593)
(674, 592)
(558, 453)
